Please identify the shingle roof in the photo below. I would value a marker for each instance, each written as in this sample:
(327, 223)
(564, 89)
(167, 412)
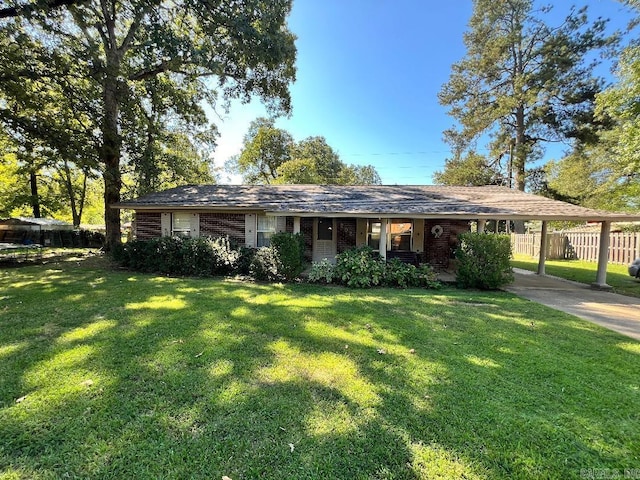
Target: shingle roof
(420, 201)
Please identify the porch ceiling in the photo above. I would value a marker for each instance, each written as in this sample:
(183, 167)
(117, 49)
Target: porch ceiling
(372, 201)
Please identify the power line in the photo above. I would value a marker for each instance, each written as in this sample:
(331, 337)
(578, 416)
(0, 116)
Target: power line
(378, 154)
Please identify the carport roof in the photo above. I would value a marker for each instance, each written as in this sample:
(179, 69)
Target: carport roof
(416, 201)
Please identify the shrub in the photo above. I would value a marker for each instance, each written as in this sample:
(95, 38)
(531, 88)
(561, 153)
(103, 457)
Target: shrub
(483, 261)
(322, 272)
(245, 257)
(427, 277)
(359, 267)
(266, 265)
(225, 258)
(290, 248)
(399, 274)
(178, 256)
(404, 275)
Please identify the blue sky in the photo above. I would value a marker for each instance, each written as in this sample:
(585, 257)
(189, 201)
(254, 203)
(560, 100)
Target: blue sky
(369, 72)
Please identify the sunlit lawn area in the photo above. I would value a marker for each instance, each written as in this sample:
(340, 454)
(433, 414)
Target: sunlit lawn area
(111, 374)
(583, 272)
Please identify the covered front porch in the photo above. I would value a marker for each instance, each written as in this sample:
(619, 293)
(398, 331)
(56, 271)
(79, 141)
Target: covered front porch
(412, 240)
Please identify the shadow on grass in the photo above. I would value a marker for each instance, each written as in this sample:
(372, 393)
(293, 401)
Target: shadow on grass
(127, 375)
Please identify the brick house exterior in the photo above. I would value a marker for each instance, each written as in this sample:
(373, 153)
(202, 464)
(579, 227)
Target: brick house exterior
(417, 223)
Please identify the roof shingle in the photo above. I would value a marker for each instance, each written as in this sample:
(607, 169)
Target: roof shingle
(420, 201)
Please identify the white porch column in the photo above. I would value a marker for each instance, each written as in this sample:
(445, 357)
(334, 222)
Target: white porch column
(481, 225)
(383, 238)
(543, 248)
(296, 224)
(603, 257)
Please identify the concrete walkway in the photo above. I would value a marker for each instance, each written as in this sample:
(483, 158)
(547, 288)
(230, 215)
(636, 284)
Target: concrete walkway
(611, 310)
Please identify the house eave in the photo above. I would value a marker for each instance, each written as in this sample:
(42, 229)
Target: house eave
(469, 216)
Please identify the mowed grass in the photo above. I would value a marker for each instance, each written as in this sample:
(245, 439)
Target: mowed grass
(584, 272)
(111, 374)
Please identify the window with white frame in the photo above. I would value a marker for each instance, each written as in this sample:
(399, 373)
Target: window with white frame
(266, 229)
(181, 224)
(373, 234)
(400, 232)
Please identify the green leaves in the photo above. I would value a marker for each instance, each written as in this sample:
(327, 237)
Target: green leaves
(523, 80)
(270, 155)
(484, 261)
(116, 83)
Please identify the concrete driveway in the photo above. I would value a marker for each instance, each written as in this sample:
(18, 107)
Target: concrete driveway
(611, 310)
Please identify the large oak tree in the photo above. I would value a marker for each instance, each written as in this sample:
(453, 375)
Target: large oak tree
(160, 60)
(270, 155)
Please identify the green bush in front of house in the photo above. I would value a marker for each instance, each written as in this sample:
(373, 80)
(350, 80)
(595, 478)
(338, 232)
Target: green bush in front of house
(290, 249)
(282, 261)
(359, 267)
(265, 265)
(179, 256)
(484, 261)
(322, 272)
(362, 267)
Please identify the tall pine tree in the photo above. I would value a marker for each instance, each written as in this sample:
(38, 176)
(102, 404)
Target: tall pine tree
(524, 82)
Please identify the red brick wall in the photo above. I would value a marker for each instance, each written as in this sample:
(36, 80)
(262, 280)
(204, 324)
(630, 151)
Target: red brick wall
(346, 234)
(223, 224)
(438, 251)
(306, 228)
(147, 225)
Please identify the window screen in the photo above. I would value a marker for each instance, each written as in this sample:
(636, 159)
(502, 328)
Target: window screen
(181, 223)
(266, 228)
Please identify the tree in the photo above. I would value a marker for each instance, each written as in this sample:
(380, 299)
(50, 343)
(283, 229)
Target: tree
(470, 169)
(523, 81)
(265, 149)
(359, 175)
(29, 8)
(125, 51)
(326, 162)
(621, 103)
(270, 155)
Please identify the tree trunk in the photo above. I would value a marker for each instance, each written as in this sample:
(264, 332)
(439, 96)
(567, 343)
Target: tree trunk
(520, 156)
(35, 197)
(67, 180)
(111, 159)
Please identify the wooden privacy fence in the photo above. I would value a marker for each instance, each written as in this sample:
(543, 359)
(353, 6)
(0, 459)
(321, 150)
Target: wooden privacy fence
(624, 247)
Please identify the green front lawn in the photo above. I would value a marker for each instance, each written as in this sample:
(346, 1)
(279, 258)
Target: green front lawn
(111, 374)
(583, 272)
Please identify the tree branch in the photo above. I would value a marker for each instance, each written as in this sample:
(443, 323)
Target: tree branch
(46, 5)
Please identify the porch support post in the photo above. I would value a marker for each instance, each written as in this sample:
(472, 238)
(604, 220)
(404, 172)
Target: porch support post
(383, 238)
(543, 248)
(296, 224)
(481, 225)
(603, 256)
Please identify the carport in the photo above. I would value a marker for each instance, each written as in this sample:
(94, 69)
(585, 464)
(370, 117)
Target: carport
(527, 207)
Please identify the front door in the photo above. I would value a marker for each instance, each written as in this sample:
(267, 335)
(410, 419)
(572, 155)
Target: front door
(324, 239)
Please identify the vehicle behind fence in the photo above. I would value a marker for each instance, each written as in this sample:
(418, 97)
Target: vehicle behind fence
(624, 247)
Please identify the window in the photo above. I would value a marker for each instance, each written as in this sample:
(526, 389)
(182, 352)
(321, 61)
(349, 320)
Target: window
(266, 228)
(325, 229)
(373, 235)
(400, 231)
(181, 224)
